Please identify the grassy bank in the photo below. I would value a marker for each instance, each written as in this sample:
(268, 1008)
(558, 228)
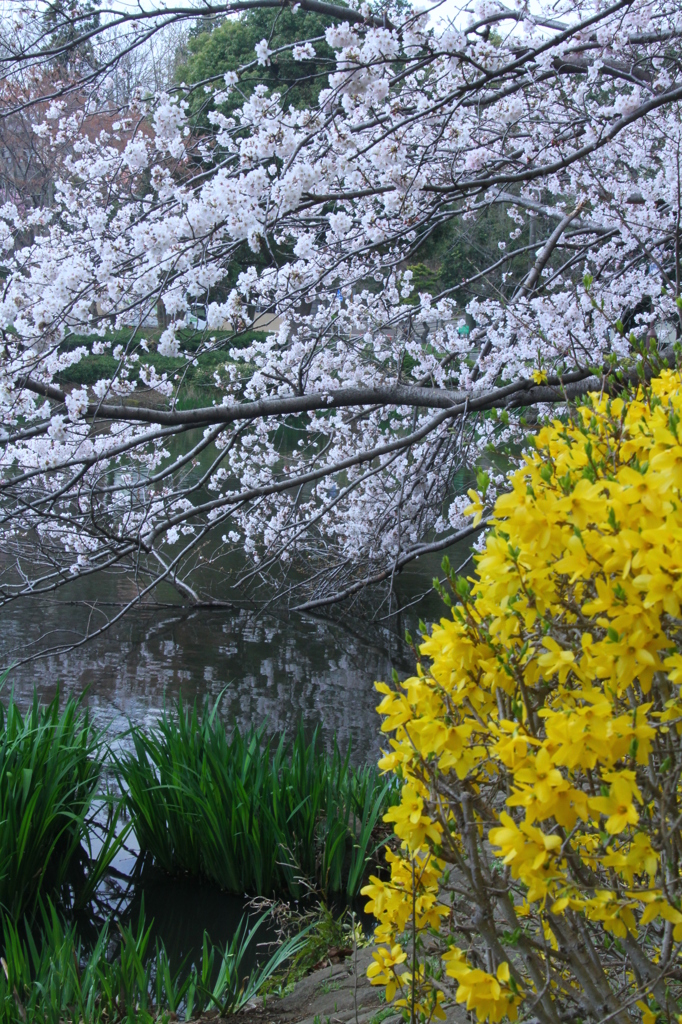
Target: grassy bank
(248, 815)
(195, 374)
(48, 977)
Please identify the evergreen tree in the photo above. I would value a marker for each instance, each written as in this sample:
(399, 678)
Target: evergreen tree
(227, 45)
(67, 23)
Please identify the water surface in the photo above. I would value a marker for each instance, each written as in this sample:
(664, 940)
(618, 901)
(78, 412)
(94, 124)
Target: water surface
(281, 671)
(265, 669)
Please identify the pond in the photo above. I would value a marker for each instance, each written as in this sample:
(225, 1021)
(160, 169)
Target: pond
(281, 671)
(264, 669)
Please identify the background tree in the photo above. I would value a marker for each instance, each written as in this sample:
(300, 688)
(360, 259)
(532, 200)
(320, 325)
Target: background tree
(228, 45)
(69, 26)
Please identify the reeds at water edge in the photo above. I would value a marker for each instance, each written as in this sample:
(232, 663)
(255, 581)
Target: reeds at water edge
(48, 977)
(52, 806)
(248, 814)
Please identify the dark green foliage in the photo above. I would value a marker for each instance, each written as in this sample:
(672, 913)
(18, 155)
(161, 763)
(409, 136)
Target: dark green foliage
(231, 44)
(248, 815)
(92, 368)
(49, 794)
(49, 978)
(424, 279)
(68, 23)
(89, 370)
(457, 250)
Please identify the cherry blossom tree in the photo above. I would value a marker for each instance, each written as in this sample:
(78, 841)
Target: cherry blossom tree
(328, 451)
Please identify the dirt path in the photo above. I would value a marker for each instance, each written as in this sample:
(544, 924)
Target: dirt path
(332, 995)
(338, 994)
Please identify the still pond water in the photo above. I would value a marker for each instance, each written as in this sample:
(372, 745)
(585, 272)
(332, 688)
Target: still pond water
(268, 670)
(264, 669)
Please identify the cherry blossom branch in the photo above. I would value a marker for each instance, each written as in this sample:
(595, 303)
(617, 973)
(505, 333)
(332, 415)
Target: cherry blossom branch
(558, 389)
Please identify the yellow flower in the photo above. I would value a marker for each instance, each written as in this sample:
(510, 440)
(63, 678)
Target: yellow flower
(618, 806)
(542, 727)
(410, 824)
(657, 906)
(541, 775)
(488, 995)
(528, 851)
(557, 662)
(649, 1016)
(475, 509)
(638, 859)
(660, 587)
(583, 505)
(615, 914)
(383, 969)
(539, 376)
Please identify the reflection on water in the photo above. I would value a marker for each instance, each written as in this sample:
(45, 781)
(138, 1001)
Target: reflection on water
(304, 670)
(267, 669)
(181, 911)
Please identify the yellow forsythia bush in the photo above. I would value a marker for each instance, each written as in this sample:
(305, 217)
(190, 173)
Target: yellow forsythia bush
(540, 748)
